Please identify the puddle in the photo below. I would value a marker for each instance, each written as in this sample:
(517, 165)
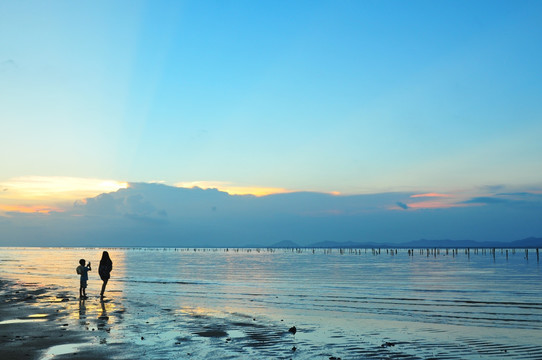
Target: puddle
(38, 315)
(236, 334)
(20, 321)
(62, 350)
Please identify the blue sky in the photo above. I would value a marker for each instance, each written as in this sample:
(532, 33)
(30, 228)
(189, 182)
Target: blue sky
(347, 96)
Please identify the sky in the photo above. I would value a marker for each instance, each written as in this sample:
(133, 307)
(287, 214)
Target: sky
(263, 97)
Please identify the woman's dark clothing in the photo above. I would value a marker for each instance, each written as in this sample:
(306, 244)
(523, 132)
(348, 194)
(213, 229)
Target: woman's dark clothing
(105, 269)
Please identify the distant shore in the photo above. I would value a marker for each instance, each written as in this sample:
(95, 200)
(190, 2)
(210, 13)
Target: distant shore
(531, 243)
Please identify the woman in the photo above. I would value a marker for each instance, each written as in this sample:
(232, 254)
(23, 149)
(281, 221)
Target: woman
(106, 265)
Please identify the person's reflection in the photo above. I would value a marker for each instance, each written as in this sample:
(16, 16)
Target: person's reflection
(103, 319)
(82, 310)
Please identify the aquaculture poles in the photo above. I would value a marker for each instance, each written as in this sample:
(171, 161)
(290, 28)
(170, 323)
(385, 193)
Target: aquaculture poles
(537, 258)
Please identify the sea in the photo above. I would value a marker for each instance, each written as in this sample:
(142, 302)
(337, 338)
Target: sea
(229, 303)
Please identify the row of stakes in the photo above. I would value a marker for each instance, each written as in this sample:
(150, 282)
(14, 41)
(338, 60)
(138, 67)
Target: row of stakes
(484, 251)
(375, 251)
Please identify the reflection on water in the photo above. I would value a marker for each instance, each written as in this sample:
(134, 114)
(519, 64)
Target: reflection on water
(355, 304)
(64, 349)
(46, 266)
(103, 318)
(82, 310)
(20, 321)
(38, 315)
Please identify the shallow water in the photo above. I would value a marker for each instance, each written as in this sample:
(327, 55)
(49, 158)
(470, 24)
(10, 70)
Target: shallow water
(227, 303)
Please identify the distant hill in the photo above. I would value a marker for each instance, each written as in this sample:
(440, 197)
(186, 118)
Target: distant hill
(346, 244)
(285, 244)
(528, 242)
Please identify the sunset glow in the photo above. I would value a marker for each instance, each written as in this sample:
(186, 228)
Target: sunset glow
(43, 209)
(233, 189)
(435, 205)
(56, 188)
(41, 194)
(430, 195)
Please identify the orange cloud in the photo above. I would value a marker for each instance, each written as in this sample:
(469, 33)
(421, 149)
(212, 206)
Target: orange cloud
(29, 209)
(436, 205)
(430, 195)
(40, 189)
(445, 203)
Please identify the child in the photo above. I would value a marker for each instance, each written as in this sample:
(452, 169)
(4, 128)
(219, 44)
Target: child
(83, 271)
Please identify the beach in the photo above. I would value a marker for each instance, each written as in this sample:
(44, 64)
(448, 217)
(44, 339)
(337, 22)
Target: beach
(245, 304)
(46, 323)
(35, 324)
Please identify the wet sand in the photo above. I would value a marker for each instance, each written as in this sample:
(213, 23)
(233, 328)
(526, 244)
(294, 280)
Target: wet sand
(34, 325)
(44, 322)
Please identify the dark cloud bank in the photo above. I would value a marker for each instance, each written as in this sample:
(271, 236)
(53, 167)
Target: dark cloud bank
(160, 215)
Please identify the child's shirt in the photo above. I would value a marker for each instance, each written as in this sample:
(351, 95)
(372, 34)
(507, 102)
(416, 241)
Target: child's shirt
(83, 270)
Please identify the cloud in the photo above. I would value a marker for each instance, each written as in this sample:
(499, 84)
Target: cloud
(521, 194)
(486, 200)
(128, 204)
(160, 215)
(430, 195)
(101, 205)
(36, 192)
(492, 188)
(59, 187)
(402, 205)
(525, 199)
(8, 65)
(233, 189)
(42, 209)
(437, 205)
